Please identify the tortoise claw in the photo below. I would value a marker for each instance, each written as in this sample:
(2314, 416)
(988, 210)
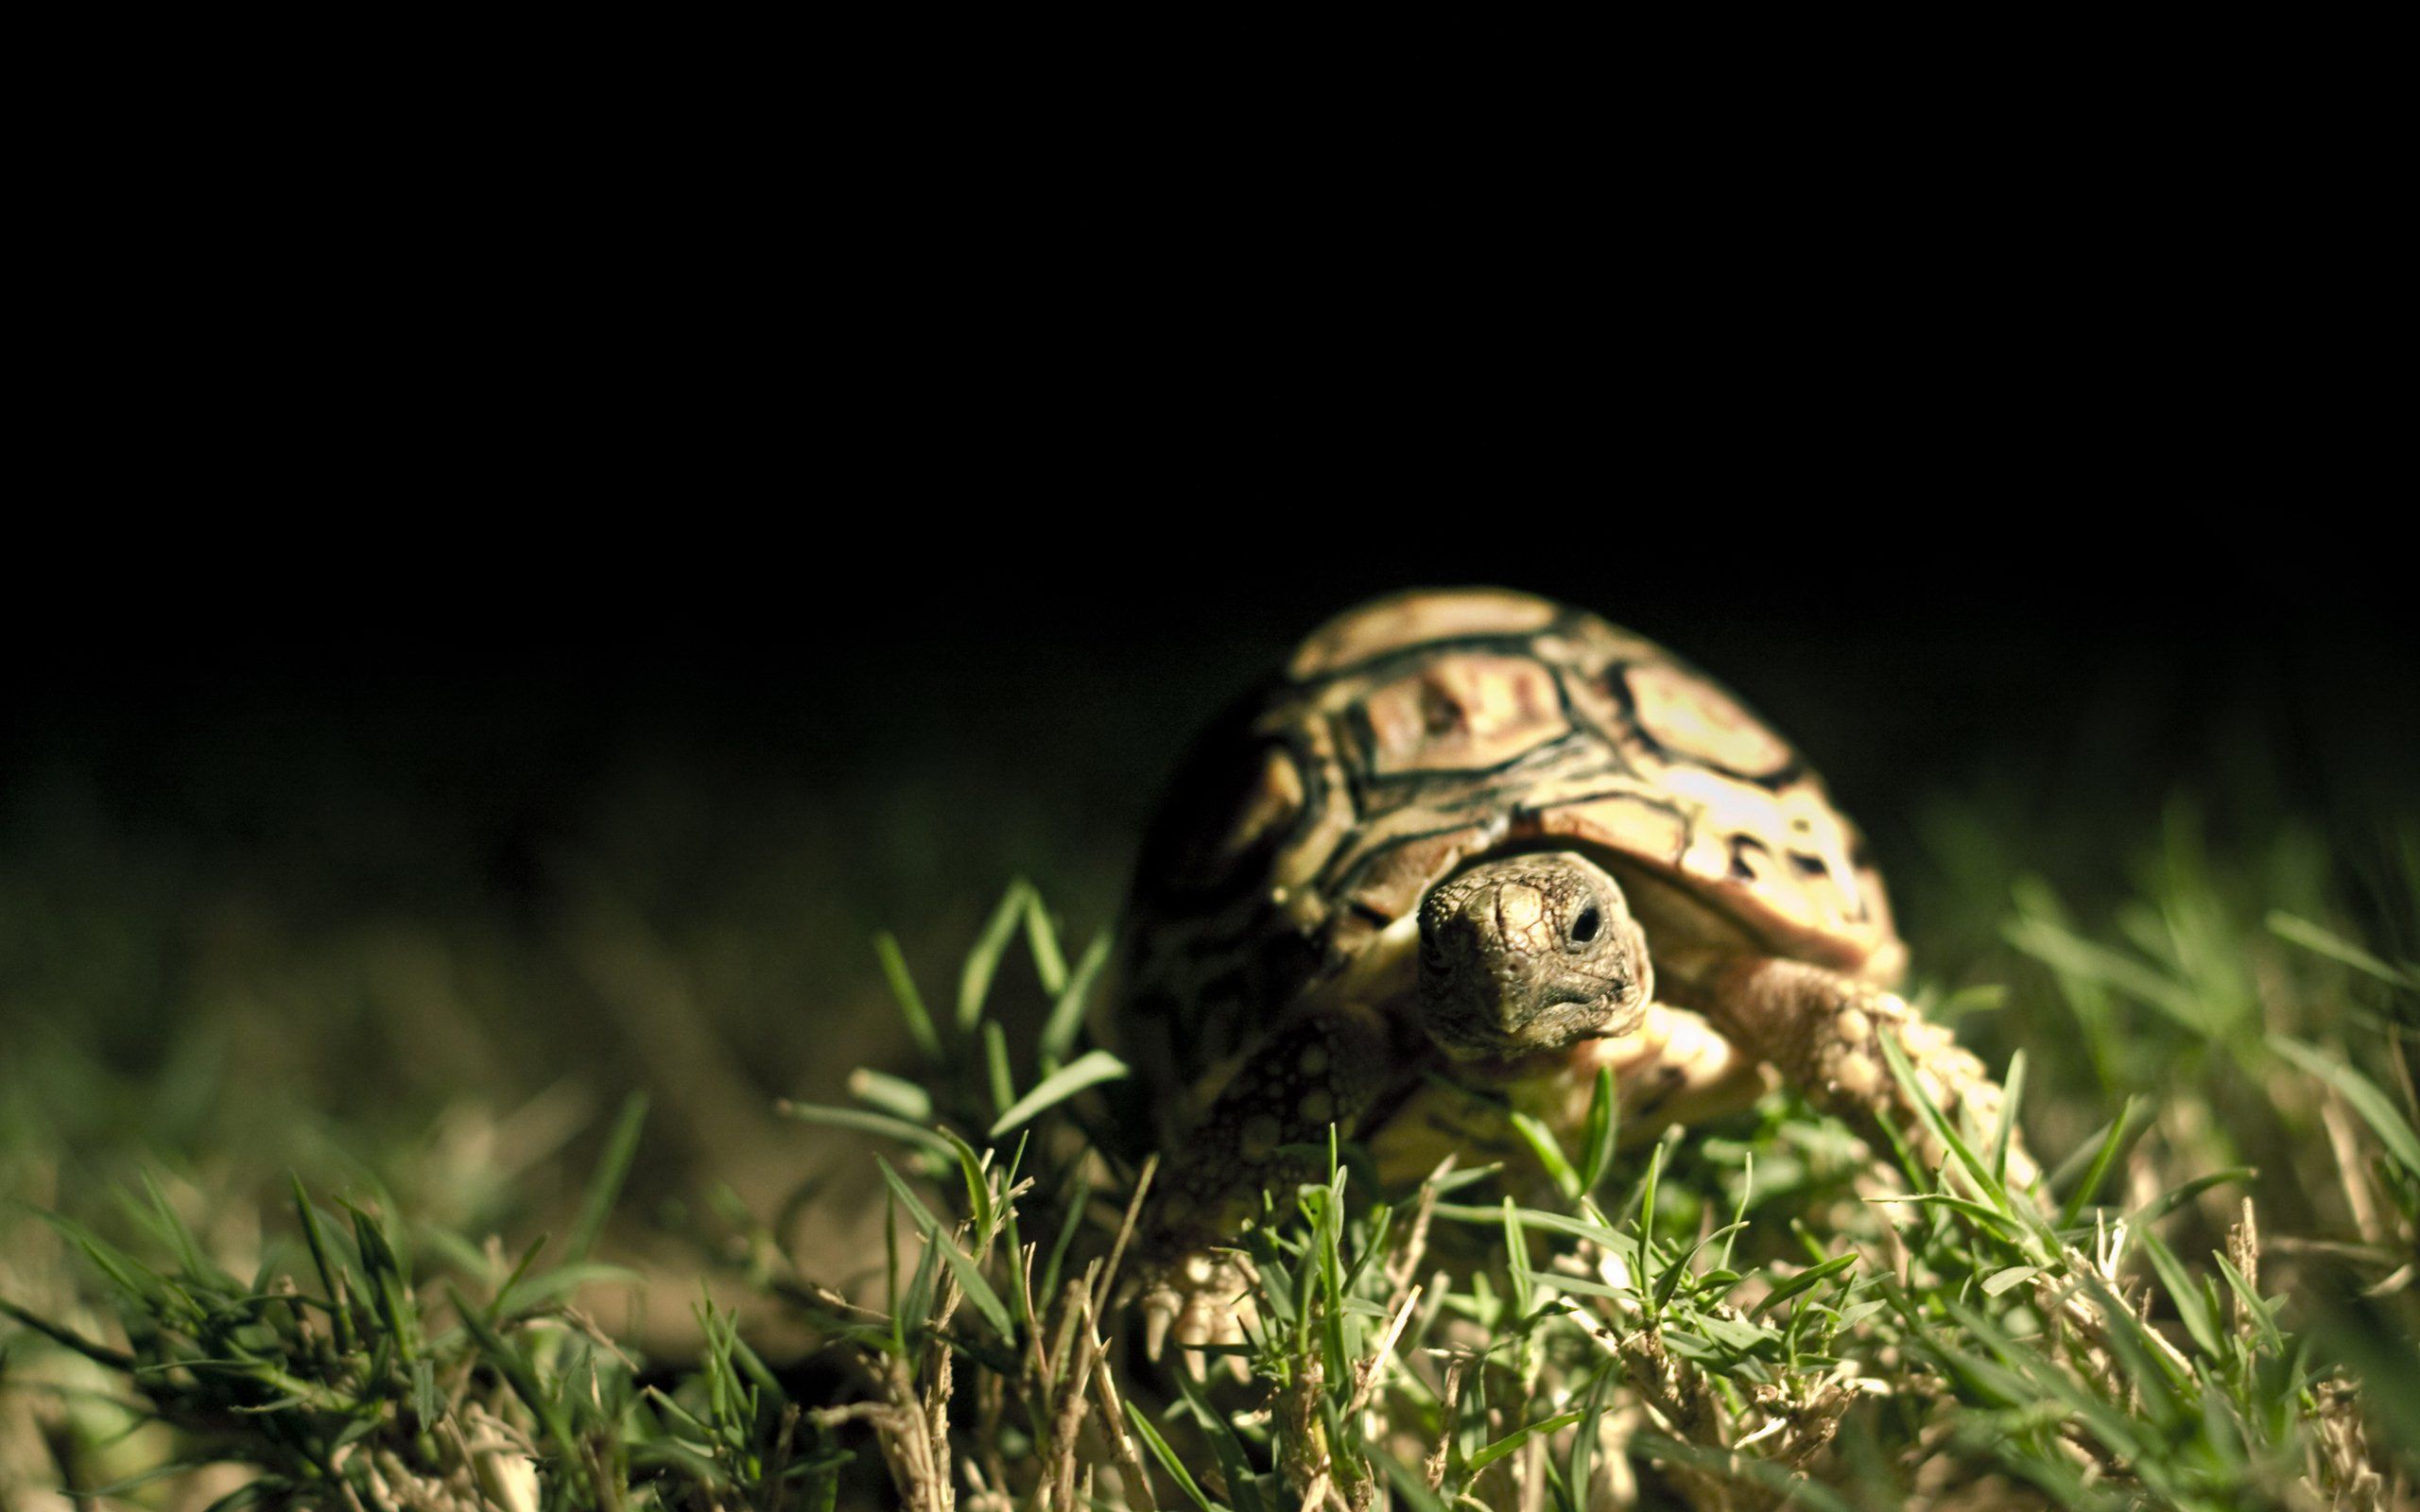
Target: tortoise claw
(1200, 1300)
(1161, 1306)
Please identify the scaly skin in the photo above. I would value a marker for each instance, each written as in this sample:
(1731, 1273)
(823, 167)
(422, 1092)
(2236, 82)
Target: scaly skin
(1824, 1032)
(1328, 1069)
(1530, 954)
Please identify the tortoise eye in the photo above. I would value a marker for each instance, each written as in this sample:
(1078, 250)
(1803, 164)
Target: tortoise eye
(1583, 929)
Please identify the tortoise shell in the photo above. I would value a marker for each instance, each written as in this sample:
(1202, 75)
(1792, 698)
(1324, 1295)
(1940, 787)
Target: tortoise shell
(1427, 730)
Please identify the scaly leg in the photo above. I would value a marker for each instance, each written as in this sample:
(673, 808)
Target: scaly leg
(1681, 1070)
(1325, 1068)
(1676, 1069)
(1823, 1031)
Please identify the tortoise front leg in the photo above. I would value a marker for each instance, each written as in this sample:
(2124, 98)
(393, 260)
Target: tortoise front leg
(1676, 1070)
(1327, 1068)
(1823, 1031)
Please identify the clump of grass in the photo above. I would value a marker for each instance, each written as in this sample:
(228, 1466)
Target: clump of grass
(1756, 1313)
(351, 1372)
(1707, 1338)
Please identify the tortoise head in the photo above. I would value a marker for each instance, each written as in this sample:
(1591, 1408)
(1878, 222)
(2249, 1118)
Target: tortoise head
(1529, 953)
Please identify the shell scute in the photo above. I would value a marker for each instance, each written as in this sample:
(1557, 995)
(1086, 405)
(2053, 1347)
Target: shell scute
(1421, 731)
(1401, 621)
(1387, 885)
(1641, 824)
(1474, 712)
(1692, 718)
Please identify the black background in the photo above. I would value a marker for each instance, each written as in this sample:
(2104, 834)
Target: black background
(843, 641)
(790, 659)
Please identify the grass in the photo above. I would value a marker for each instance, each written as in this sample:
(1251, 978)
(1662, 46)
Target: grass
(349, 1372)
(2208, 1303)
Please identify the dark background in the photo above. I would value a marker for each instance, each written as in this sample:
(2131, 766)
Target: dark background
(436, 733)
(478, 708)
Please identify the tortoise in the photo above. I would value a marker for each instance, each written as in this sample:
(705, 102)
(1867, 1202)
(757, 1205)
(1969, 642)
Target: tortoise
(1470, 847)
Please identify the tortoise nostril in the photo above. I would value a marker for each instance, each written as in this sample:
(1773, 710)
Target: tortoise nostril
(1583, 928)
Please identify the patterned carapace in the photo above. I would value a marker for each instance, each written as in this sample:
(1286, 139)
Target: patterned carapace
(1424, 728)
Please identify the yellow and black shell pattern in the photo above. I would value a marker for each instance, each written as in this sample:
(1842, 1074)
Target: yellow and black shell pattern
(1422, 730)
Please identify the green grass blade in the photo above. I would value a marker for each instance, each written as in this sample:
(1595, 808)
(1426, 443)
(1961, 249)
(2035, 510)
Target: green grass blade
(65, 1338)
(1798, 1489)
(995, 1066)
(1066, 1017)
(1680, 1269)
(894, 1095)
(1997, 1221)
(389, 1281)
(511, 1362)
(2064, 951)
(1516, 1259)
(1620, 1244)
(1410, 1487)
(1939, 1122)
(179, 1237)
(969, 1275)
(1088, 1070)
(2264, 1317)
(2337, 947)
(129, 1275)
(911, 1003)
(2152, 1375)
(605, 1184)
(2373, 1106)
(1647, 1219)
(983, 962)
(978, 1185)
(1233, 1463)
(918, 1214)
(2000, 1281)
(2168, 1202)
(1747, 1192)
(1581, 1461)
(865, 1123)
(2190, 1308)
(1042, 943)
(316, 1236)
(1807, 1279)
(2081, 1196)
(1518, 1436)
(1603, 1131)
(2004, 1127)
(1068, 1224)
(1168, 1462)
(1543, 1144)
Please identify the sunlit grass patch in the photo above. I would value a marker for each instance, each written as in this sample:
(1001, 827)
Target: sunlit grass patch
(2206, 1303)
